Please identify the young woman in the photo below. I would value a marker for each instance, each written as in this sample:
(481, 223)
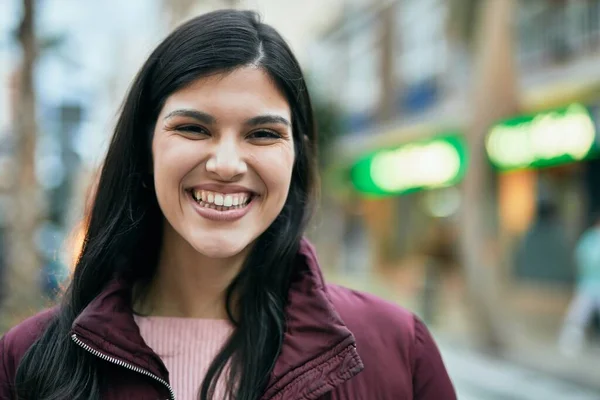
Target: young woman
(194, 281)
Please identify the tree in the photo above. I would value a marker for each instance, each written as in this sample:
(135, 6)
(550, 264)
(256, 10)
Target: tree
(27, 204)
(494, 96)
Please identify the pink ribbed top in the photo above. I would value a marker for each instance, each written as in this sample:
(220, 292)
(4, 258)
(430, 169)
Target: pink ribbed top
(187, 346)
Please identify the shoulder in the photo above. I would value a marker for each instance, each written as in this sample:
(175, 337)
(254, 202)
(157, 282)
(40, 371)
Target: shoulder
(384, 332)
(364, 313)
(396, 347)
(15, 343)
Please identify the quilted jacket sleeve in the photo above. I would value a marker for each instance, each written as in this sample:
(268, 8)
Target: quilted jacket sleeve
(430, 378)
(14, 344)
(6, 374)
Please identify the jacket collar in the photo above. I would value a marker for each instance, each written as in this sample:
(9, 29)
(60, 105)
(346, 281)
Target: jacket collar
(318, 350)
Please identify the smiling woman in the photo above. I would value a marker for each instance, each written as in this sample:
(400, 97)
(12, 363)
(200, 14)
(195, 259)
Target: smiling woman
(194, 280)
(217, 141)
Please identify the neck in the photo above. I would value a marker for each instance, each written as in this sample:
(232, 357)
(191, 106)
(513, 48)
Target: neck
(188, 284)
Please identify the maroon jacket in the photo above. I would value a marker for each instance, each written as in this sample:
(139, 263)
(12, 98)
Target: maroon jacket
(339, 344)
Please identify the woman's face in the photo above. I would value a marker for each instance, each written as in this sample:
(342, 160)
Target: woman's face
(223, 154)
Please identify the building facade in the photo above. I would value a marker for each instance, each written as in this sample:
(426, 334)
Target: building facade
(403, 78)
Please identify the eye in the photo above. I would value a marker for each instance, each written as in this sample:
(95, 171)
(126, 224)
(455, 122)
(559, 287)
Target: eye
(192, 130)
(264, 134)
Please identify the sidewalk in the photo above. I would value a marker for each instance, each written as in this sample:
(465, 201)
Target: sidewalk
(583, 369)
(480, 377)
(533, 349)
(536, 352)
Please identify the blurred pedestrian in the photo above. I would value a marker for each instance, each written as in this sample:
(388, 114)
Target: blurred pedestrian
(586, 300)
(194, 280)
(545, 253)
(439, 248)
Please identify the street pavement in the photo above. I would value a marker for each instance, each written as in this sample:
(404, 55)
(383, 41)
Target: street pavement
(480, 377)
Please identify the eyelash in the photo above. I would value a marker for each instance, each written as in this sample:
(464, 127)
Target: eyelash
(198, 130)
(271, 134)
(192, 129)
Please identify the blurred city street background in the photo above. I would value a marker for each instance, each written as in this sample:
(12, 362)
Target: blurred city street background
(460, 162)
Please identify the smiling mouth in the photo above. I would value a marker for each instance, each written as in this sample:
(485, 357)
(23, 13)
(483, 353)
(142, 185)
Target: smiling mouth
(221, 201)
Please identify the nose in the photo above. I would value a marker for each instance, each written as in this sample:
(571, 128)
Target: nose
(226, 161)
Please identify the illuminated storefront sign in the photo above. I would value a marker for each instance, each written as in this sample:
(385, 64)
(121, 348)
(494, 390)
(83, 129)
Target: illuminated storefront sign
(546, 139)
(439, 162)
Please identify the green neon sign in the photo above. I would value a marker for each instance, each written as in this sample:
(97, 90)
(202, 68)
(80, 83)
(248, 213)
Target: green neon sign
(435, 163)
(543, 140)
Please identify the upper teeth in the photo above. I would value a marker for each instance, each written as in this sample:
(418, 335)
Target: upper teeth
(221, 199)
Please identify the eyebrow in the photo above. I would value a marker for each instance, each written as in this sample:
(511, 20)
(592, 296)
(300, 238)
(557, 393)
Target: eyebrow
(208, 119)
(195, 114)
(267, 119)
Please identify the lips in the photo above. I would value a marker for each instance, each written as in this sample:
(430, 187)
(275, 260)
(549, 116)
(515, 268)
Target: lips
(220, 213)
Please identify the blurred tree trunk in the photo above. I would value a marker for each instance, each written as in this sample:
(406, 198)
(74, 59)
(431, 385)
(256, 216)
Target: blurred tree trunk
(494, 96)
(386, 109)
(385, 236)
(26, 205)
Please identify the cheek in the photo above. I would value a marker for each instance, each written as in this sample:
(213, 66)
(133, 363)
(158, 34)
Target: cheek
(170, 163)
(276, 170)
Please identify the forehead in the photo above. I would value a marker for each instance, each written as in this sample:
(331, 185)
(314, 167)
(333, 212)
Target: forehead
(243, 92)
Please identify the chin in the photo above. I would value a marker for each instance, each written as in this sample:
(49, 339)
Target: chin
(220, 248)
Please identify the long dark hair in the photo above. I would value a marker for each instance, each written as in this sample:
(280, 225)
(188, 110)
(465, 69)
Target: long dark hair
(125, 220)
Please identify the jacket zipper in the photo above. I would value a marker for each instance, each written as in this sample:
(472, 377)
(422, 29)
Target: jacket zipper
(122, 364)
